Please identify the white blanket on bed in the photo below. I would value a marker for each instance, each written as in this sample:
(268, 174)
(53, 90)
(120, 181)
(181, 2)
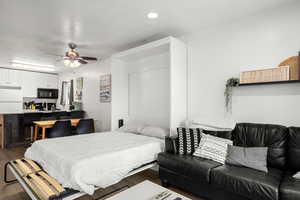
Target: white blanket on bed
(101, 159)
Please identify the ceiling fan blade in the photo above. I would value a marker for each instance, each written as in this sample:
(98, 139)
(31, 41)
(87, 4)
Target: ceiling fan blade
(89, 58)
(82, 61)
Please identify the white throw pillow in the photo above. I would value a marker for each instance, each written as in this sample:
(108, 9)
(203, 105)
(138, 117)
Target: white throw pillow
(155, 131)
(132, 127)
(213, 148)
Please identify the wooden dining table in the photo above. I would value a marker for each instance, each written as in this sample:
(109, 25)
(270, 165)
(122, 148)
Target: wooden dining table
(48, 124)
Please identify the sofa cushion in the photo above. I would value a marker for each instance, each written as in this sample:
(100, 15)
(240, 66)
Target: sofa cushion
(248, 182)
(293, 149)
(264, 135)
(251, 157)
(290, 188)
(193, 167)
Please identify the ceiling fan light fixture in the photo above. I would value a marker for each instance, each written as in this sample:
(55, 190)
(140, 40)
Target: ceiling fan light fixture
(67, 62)
(75, 64)
(72, 58)
(72, 54)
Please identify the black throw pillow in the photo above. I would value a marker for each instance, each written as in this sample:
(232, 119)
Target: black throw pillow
(189, 139)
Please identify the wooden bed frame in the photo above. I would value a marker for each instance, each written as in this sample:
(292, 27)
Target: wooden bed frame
(40, 186)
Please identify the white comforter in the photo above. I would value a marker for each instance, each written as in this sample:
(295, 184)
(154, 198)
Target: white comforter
(102, 159)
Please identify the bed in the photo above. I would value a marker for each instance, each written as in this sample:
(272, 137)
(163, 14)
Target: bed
(84, 163)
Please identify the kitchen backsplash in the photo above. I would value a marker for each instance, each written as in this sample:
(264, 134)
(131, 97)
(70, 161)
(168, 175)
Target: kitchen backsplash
(36, 100)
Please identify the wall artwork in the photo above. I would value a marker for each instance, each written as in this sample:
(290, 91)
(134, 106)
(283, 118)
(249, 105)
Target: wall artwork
(78, 91)
(105, 88)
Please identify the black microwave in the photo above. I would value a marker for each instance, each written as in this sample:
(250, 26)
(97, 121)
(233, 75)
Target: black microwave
(47, 93)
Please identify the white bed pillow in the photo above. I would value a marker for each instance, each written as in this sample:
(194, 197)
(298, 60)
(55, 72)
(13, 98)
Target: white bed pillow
(132, 127)
(213, 148)
(208, 128)
(155, 131)
(297, 175)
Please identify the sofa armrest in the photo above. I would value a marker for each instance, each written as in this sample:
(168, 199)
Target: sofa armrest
(171, 145)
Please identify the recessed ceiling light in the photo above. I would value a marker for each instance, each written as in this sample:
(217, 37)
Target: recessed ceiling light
(152, 15)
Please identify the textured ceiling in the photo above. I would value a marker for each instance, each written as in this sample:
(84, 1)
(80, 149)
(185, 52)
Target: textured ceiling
(36, 31)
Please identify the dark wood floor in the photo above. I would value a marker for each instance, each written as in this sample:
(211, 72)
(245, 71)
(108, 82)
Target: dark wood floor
(15, 192)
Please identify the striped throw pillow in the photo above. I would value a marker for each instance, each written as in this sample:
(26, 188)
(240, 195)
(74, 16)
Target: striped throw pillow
(213, 148)
(189, 139)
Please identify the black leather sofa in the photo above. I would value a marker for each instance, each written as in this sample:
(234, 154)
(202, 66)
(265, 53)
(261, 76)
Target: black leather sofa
(214, 181)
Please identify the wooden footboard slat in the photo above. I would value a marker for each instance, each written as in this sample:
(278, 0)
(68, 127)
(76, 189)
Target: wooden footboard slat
(38, 181)
(35, 189)
(42, 185)
(24, 167)
(14, 164)
(52, 181)
(33, 165)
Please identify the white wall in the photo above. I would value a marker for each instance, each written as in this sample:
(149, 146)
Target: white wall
(167, 94)
(149, 90)
(119, 100)
(100, 112)
(218, 53)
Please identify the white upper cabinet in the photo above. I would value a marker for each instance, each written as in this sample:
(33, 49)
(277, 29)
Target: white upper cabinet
(31, 81)
(28, 81)
(50, 80)
(3, 76)
(10, 77)
(15, 77)
(29, 84)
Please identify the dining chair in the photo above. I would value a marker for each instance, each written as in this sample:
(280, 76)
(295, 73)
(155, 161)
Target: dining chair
(60, 129)
(85, 126)
(47, 119)
(67, 117)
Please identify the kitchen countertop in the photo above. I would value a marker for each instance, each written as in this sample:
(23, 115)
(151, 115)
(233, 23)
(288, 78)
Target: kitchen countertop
(47, 111)
(38, 111)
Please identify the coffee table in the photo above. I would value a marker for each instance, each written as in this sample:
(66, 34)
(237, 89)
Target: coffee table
(145, 191)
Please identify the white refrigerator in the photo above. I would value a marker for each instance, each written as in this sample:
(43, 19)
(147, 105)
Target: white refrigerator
(11, 100)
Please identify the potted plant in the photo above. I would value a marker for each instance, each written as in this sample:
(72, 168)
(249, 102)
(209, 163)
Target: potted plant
(230, 83)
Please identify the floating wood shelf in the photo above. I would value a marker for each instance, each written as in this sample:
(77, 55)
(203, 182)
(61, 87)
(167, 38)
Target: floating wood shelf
(269, 83)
